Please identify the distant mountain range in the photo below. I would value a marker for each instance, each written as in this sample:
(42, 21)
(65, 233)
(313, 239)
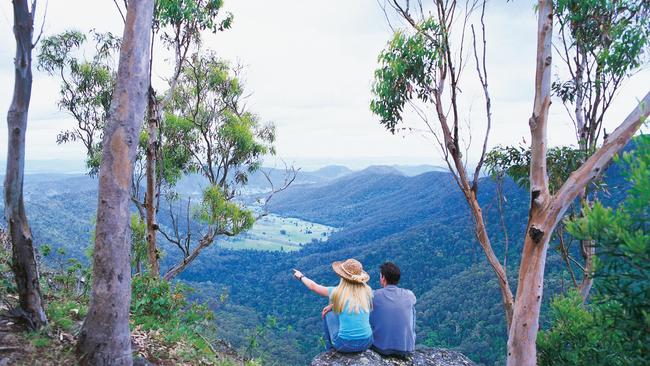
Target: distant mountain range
(53, 166)
(61, 207)
(62, 166)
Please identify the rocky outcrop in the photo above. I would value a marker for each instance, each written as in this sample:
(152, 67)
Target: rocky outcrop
(421, 357)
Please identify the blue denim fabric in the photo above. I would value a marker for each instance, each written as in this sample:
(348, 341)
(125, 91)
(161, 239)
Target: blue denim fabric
(332, 340)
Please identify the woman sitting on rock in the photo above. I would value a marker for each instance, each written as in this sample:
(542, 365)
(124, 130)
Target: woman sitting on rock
(347, 325)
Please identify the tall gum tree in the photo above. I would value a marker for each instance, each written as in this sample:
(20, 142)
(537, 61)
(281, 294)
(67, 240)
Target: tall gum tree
(23, 262)
(104, 338)
(179, 25)
(546, 210)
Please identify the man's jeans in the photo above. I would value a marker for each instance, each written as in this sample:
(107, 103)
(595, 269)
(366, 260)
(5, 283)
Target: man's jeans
(332, 340)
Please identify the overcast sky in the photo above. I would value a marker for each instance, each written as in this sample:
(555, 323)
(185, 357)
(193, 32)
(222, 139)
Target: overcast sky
(309, 65)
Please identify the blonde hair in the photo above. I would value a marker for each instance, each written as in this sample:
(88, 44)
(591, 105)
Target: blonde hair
(357, 296)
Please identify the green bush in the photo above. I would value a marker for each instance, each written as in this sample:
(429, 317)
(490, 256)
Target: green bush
(156, 304)
(64, 314)
(152, 297)
(576, 337)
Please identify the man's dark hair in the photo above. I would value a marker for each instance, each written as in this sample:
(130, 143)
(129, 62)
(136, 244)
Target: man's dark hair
(391, 273)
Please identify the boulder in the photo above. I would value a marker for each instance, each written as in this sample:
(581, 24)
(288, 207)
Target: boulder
(421, 357)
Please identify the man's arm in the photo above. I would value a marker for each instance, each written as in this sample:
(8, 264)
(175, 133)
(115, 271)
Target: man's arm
(373, 319)
(414, 315)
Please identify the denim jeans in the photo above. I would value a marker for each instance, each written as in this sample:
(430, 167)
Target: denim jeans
(332, 340)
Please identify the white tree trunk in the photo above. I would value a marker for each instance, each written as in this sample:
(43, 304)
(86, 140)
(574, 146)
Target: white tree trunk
(23, 262)
(105, 338)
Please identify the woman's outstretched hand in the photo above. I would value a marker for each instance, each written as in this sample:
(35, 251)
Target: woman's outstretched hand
(297, 274)
(311, 285)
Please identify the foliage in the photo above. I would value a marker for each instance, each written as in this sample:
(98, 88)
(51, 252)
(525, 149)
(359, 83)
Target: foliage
(576, 337)
(155, 298)
(167, 328)
(67, 275)
(406, 67)
(7, 284)
(176, 154)
(218, 138)
(65, 314)
(614, 329)
(138, 242)
(614, 33)
(223, 215)
(226, 141)
(514, 161)
(603, 42)
(191, 17)
(86, 85)
(185, 329)
(255, 338)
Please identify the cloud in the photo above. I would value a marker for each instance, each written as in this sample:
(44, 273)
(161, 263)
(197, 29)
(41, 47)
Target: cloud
(309, 66)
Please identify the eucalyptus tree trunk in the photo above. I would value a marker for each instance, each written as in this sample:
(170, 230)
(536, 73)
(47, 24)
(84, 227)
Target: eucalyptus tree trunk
(104, 338)
(23, 257)
(547, 210)
(585, 144)
(150, 196)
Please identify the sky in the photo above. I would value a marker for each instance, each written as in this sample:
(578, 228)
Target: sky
(309, 68)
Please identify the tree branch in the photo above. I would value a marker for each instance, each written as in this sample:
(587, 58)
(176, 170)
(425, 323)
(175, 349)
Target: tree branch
(595, 165)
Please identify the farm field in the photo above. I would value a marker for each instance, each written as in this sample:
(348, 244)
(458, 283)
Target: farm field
(275, 232)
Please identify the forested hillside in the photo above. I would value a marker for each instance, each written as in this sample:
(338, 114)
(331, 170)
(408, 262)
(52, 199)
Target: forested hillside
(418, 222)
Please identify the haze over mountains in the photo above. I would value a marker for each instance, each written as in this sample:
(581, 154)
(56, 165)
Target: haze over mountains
(63, 166)
(61, 203)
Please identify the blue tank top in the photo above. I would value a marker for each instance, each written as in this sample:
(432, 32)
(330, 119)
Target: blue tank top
(353, 325)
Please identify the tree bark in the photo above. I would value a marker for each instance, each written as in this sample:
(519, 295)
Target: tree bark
(484, 240)
(587, 248)
(104, 338)
(23, 256)
(150, 199)
(523, 330)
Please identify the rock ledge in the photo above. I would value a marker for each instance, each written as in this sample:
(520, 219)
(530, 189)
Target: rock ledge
(421, 357)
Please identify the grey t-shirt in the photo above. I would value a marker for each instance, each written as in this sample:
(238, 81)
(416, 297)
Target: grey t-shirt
(393, 319)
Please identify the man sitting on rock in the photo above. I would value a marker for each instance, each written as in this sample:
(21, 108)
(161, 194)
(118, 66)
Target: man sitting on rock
(393, 315)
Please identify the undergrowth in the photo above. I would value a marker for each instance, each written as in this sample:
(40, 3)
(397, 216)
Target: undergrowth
(166, 328)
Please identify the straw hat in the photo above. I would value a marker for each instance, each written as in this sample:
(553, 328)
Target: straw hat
(351, 270)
